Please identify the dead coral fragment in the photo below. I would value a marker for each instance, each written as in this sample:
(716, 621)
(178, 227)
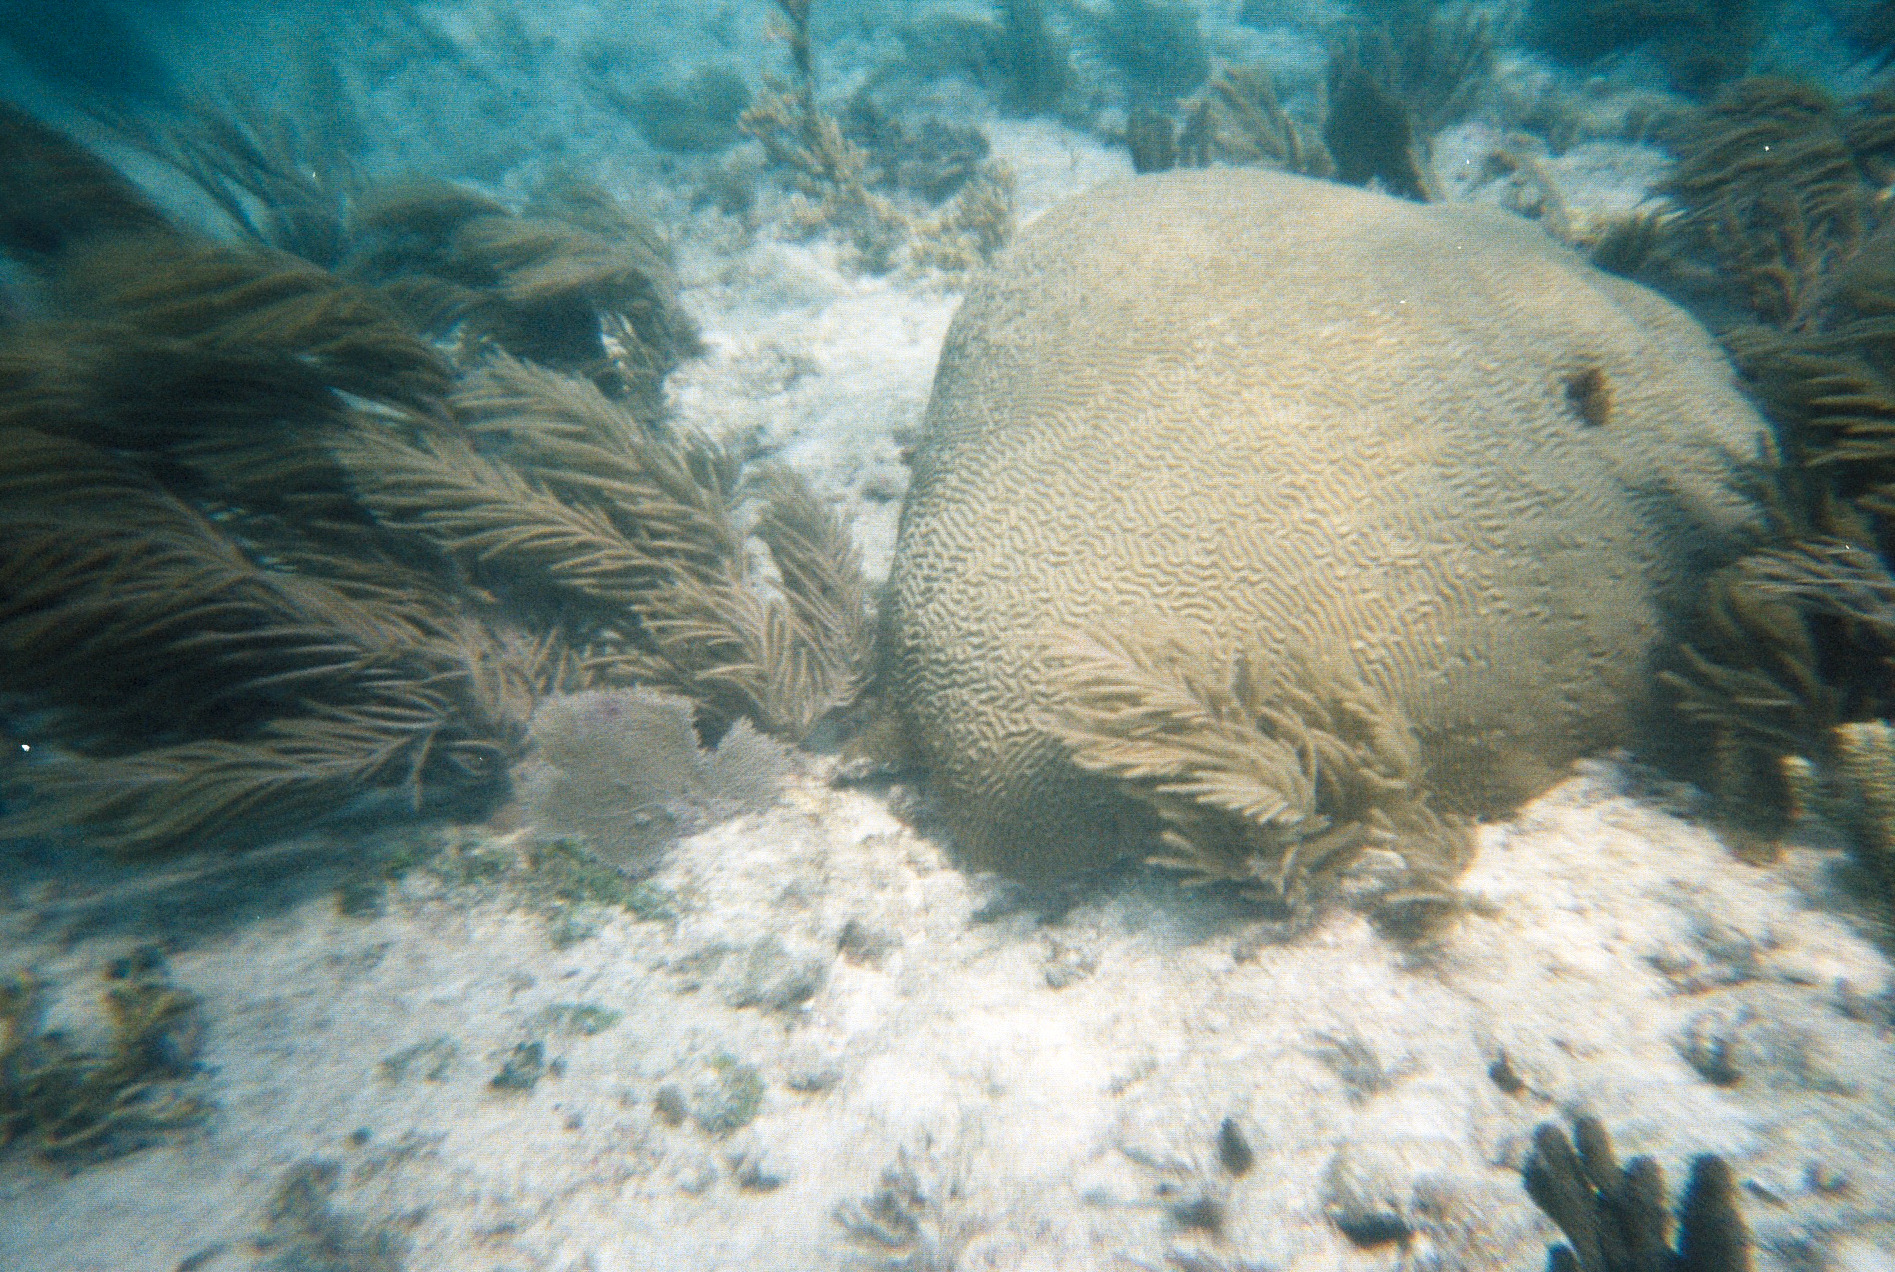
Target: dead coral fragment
(72, 1106)
(1615, 1219)
(1277, 784)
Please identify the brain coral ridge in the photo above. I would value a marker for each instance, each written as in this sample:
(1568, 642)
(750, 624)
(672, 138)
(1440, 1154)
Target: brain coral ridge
(1239, 416)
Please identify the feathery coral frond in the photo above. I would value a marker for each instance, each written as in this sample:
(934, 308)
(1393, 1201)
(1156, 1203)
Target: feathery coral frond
(58, 194)
(1251, 126)
(130, 621)
(486, 513)
(167, 797)
(217, 298)
(570, 437)
(1279, 779)
(281, 183)
(1770, 187)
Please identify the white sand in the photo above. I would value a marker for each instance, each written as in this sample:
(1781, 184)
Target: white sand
(1051, 1127)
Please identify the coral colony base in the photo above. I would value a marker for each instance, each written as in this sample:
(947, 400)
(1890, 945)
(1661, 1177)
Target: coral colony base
(1103, 634)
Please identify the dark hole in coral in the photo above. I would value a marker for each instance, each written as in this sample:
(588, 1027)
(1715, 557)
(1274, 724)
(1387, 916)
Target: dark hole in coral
(1590, 395)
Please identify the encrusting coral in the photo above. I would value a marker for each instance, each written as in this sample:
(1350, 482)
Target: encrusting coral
(1312, 428)
(265, 548)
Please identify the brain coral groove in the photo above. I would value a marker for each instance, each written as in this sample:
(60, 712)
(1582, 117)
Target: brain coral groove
(1237, 409)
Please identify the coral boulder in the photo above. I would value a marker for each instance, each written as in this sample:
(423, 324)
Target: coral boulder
(1249, 505)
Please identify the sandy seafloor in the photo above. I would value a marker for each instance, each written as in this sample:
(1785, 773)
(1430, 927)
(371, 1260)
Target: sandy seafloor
(1048, 1084)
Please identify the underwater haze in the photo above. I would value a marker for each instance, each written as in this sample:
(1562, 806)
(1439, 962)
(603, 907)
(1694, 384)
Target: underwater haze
(1175, 635)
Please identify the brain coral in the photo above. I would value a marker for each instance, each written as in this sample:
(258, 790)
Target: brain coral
(1213, 419)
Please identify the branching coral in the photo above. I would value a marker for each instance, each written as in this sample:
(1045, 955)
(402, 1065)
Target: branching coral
(1155, 46)
(1435, 58)
(574, 281)
(1778, 219)
(1615, 1217)
(1370, 134)
(1758, 676)
(590, 504)
(1274, 782)
(839, 185)
(1865, 764)
(830, 172)
(209, 691)
(306, 1233)
(279, 181)
(917, 1220)
(974, 227)
(554, 285)
(1391, 87)
(57, 195)
(1771, 188)
(930, 158)
(221, 301)
(1791, 645)
(1249, 126)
